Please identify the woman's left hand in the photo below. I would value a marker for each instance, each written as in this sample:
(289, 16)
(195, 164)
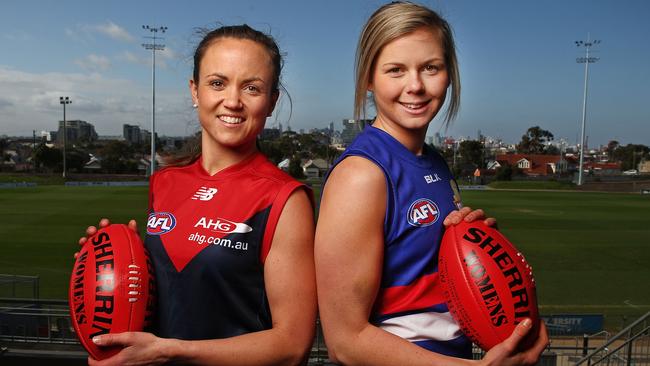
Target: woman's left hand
(469, 215)
(139, 348)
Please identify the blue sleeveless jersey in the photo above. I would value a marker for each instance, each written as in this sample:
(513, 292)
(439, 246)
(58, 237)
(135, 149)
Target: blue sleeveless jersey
(421, 192)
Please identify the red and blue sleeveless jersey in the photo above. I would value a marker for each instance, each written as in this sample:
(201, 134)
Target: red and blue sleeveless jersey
(421, 192)
(208, 237)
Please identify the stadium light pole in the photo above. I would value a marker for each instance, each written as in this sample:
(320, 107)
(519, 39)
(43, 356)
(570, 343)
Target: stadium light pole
(153, 47)
(65, 101)
(585, 60)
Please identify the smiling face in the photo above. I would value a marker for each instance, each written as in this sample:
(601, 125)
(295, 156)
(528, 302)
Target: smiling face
(409, 83)
(234, 94)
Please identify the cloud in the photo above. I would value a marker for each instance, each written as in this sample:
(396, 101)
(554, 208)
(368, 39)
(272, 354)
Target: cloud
(131, 57)
(144, 58)
(87, 32)
(94, 62)
(114, 31)
(30, 101)
(169, 53)
(5, 103)
(18, 35)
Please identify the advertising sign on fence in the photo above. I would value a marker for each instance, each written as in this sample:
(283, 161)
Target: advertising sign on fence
(573, 324)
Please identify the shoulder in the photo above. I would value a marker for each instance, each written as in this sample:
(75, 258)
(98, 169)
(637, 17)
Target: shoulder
(169, 173)
(360, 169)
(355, 178)
(264, 168)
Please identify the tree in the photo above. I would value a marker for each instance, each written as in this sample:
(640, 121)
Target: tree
(117, 157)
(507, 171)
(630, 155)
(611, 148)
(76, 159)
(533, 142)
(48, 158)
(295, 168)
(471, 152)
(504, 172)
(4, 143)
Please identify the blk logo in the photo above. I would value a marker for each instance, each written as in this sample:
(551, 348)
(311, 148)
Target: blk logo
(423, 212)
(204, 194)
(432, 178)
(160, 223)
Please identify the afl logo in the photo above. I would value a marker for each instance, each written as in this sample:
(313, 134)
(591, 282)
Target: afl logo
(160, 223)
(423, 212)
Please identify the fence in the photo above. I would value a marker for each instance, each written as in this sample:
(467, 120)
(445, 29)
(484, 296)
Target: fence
(19, 286)
(45, 325)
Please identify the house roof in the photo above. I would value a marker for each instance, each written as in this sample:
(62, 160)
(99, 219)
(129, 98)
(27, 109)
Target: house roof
(539, 164)
(284, 164)
(604, 166)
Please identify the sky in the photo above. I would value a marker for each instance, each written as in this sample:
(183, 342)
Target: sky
(517, 64)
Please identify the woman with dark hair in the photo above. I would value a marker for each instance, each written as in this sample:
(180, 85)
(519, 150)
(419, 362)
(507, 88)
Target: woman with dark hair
(229, 234)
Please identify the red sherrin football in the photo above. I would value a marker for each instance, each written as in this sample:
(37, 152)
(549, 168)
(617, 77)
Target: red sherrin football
(489, 287)
(111, 287)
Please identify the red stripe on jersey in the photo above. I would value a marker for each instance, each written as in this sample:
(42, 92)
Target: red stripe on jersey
(423, 293)
(276, 211)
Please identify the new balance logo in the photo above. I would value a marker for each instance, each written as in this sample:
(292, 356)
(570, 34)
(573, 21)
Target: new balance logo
(204, 194)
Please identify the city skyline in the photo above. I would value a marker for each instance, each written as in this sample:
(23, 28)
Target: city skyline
(517, 59)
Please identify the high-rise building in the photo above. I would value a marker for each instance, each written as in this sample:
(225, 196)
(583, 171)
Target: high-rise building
(76, 131)
(132, 134)
(351, 128)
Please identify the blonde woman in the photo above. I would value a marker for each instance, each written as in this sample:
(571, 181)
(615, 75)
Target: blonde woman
(385, 205)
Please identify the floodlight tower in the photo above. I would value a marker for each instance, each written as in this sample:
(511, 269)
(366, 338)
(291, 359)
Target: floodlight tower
(585, 60)
(65, 101)
(154, 46)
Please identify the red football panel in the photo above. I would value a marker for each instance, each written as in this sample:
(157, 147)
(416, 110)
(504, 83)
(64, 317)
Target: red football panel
(459, 258)
(106, 287)
(464, 301)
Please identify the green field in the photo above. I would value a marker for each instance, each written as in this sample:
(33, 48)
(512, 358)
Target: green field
(40, 227)
(590, 251)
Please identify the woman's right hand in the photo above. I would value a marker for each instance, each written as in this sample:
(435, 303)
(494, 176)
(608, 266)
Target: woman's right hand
(508, 352)
(92, 230)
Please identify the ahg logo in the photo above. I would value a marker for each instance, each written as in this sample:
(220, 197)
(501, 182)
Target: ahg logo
(223, 226)
(423, 212)
(204, 194)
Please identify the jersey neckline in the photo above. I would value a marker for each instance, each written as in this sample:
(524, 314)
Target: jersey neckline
(401, 151)
(255, 159)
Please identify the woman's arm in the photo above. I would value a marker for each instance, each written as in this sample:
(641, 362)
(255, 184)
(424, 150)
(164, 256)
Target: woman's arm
(291, 291)
(349, 253)
(349, 250)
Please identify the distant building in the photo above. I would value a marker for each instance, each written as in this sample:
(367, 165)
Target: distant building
(46, 136)
(76, 131)
(532, 164)
(437, 140)
(270, 134)
(284, 165)
(132, 134)
(599, 168)
(145, 136)
(315, 168)
(644, 167)
(351, 128)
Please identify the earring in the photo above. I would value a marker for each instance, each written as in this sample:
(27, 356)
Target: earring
(195, 105)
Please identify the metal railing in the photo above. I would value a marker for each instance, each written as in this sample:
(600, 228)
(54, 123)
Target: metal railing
(631, 346)
(47, 322)
(36, 321)
(19, 286)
